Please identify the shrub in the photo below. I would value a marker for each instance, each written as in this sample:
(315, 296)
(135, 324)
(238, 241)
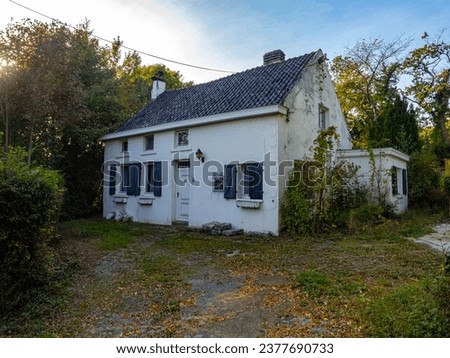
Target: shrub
(30, 199)
(295, 211)
(321, 194)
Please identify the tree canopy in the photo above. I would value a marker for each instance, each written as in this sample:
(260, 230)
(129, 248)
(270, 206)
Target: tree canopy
(60, 91)
(429, 67)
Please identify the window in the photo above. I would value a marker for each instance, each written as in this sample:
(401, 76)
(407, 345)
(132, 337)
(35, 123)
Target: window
(125, 177)
(245, 181)
(149, 184)
(149, 142)
(131, 179)
(250, 185)
(394, 181)
(125, 146)
(153, 183)
(217, 181)
(182, 138)
(229, 180)
(323, 117)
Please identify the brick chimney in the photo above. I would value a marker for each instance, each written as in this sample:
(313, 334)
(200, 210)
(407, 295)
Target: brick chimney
(273, 57)
(158, 85)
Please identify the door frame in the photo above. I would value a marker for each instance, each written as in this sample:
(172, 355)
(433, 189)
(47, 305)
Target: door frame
(176, 190)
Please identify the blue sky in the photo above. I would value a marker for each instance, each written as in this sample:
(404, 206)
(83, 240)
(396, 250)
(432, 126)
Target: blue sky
(234, 34)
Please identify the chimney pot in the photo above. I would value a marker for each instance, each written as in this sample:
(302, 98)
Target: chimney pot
(273, 57)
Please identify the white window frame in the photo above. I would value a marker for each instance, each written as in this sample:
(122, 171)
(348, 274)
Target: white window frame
(149, 189)
(243, 190)
(146, 138)
(177, 138)
(323, 117)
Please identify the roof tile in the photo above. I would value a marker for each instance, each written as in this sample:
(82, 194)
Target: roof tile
(257, 87)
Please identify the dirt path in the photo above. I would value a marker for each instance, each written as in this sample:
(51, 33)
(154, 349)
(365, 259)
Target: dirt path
(110, 298)
(228, 305)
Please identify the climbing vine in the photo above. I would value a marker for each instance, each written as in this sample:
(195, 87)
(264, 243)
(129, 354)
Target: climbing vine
(322, 192)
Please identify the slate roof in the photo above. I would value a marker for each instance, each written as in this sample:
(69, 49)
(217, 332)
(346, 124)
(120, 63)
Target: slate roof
(258, 87)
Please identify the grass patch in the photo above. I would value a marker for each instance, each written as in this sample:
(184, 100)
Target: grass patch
(111, 235)
(159, 268)
(408, 311)
(315, 283)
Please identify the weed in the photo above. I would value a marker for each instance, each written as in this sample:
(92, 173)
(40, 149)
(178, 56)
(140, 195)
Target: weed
(315, 283)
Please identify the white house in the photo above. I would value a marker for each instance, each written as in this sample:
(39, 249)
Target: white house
(221, 151)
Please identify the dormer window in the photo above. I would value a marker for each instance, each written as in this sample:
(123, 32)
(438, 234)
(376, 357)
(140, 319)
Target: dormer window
(182, 138)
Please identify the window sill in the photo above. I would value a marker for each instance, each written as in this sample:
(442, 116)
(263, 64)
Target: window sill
(125, 155)
(181, 149)
(248, 203)
(120, 199)
(148, 152)
(146, 200)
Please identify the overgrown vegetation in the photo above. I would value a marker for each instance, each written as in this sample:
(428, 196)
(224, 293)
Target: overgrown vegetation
(324, 195)
(30, 198)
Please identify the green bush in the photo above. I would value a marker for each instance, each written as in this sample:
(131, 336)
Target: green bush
(295, 211)
(30, 200)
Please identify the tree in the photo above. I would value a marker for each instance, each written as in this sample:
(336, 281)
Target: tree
(429, 67)
(136, 81)
(7, 82)
(364, 80)
(396, 126)
(60, 92)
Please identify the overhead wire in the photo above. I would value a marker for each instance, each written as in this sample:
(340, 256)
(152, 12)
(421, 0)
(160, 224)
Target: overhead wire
(123, 46)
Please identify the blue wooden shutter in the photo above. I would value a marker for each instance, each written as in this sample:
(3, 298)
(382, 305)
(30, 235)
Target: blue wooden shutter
(134, 187)
(404, 182)
(229, 181)
(256, 181)
(157, 178)
(112, 179)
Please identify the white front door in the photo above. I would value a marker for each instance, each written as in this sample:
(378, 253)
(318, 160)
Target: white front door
(182, 192)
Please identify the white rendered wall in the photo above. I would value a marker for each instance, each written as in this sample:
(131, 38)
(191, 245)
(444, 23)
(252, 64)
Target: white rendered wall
(298, 132)
(235, 141)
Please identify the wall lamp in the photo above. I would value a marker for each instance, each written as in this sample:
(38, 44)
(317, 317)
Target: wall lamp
(199, 155)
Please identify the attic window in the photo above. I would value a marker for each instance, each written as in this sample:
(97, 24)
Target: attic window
(125, 146)
(149, 142)
(323, 117)
(182, 138)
